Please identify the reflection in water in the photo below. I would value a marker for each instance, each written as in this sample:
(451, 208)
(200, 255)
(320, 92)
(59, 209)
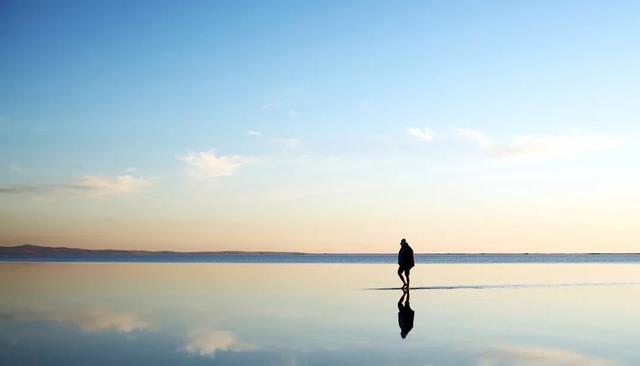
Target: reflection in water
(511, 286)
(208, 342)
(89, 320)
(190, 315)
(405, 314)
(521, 355)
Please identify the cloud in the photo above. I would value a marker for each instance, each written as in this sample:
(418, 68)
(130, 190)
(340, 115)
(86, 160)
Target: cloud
(205, 164)
(476, 137)
(526, 147)
(106, 186)
(208, 342)
(539, 356)
(422, 133)
(27, 189)
(254, 133)
(90, 320)
(101, 320)
(286, 143)
(89, 185)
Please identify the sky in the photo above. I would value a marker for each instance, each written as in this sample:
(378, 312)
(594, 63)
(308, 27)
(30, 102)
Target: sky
(463, 126)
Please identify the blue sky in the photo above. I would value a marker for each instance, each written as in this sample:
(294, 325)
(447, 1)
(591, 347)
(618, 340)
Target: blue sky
(339, 126)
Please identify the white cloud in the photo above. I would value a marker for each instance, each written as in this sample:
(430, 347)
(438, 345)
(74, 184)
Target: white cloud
(254, 133)
(527, 147)
(476, 137)
(106, 186)
(286, 143)
(208, 342)
(539, 356)
(205, 164)
(422, 133)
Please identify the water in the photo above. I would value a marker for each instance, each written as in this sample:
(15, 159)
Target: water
(318, 314)
(159, 257)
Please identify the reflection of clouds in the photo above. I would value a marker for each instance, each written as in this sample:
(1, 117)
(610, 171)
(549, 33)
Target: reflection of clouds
(539, 356)
(92, 320)
(98, 320)
(208, 342)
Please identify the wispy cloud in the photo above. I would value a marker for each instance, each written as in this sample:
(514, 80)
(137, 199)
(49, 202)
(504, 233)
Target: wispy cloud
(89, 320)
(254, 133)
(286, 142)
(101, 320)
(529, 147)
(422, 133)
(476, 137)
(29, 188)
(205, 164)
(539, 356)
(207, 342)
(107, 186)
(89, 185)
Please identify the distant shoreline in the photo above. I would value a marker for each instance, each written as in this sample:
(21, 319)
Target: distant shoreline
(39, 250)
(34, 253)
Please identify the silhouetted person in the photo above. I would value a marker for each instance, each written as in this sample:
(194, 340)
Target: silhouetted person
(405, 315)
(405, 262)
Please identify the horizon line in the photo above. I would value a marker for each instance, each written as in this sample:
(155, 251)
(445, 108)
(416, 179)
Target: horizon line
(3, 246)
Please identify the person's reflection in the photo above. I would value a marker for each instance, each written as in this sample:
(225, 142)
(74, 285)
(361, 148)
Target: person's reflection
(405, 314)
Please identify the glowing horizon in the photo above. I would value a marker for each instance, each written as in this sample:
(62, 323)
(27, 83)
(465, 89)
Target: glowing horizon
(334, 127)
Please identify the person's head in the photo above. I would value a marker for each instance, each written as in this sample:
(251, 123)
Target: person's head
(403, 241)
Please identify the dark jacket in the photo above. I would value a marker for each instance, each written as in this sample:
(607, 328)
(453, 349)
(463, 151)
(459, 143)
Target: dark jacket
(405, 257)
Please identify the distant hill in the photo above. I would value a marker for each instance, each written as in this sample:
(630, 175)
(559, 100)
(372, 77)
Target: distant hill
(44, 251)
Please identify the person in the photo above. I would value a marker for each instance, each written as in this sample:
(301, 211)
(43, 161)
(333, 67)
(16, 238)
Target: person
(405, 315)
(405, 262)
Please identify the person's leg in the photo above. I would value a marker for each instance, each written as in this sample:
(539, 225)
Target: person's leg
(400, 269)
(401, 301)
(406, 274)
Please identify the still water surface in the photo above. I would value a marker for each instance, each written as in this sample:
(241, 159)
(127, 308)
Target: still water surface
(318, 314)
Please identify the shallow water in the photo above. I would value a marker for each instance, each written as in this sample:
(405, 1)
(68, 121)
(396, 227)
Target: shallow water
(318, 314)
(161, 257)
